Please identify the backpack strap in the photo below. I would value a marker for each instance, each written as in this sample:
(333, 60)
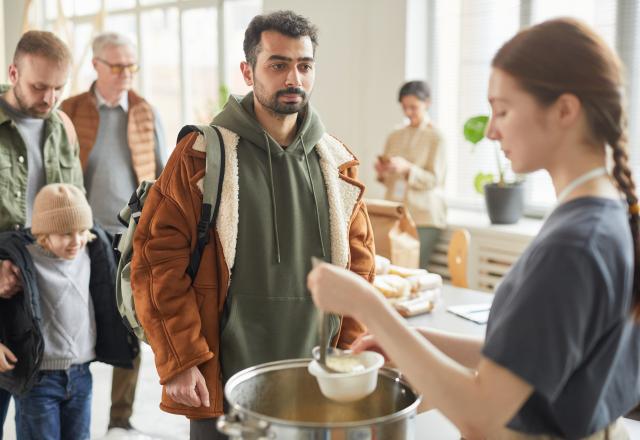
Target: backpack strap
(68, 127)
(212, 189)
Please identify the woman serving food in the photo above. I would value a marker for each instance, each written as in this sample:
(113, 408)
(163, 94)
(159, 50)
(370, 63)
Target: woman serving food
(561, 356)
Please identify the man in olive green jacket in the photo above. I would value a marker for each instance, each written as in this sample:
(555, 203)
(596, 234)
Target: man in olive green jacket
(38, 144)
(59, 148)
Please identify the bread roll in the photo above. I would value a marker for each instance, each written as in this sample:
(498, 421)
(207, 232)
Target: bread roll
(382, 265)
(405, 272)
(425, 281)
(392, 286)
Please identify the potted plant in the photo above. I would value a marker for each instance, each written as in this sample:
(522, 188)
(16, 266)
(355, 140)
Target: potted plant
(504, 200)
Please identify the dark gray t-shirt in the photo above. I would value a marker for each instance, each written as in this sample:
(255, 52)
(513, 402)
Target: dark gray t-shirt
(560, 320)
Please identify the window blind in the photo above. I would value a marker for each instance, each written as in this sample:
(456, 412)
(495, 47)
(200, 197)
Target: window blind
(466, 35)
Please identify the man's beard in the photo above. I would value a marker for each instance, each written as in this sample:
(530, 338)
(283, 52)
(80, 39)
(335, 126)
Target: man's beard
(272, 103)
(24, 107)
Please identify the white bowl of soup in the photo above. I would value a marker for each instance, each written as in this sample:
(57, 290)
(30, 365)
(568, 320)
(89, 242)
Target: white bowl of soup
(356, 376)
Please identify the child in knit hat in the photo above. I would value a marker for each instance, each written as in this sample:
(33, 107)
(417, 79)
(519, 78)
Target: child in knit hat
(61, 221)
(78, 316)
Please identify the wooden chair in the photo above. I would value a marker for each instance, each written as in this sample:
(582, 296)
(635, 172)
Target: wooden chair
(457, 257)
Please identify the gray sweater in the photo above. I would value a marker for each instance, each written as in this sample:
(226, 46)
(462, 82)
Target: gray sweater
(68, 320)
(109, 176)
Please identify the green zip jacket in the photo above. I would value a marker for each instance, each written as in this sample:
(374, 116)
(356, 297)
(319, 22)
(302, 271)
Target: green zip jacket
(60, 156)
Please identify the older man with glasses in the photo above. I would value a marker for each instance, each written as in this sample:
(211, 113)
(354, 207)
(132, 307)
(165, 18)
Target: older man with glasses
(121, 144)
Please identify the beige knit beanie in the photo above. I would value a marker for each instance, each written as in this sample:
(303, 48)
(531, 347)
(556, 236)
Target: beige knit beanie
(60, 208)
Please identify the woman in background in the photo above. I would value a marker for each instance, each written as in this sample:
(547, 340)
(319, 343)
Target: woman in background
(413, 167)
(561, 355)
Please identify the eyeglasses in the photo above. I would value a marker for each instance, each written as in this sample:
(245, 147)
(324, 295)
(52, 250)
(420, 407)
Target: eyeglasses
(117, 69)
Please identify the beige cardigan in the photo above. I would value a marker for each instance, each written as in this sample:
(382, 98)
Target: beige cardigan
(423, 191)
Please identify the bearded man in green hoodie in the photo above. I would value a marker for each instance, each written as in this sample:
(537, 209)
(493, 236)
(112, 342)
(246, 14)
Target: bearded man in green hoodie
(289, 192)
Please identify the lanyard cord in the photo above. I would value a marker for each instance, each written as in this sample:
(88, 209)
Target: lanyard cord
(589, 175)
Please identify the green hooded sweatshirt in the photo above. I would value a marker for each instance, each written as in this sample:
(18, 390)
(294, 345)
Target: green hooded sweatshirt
(283, 222)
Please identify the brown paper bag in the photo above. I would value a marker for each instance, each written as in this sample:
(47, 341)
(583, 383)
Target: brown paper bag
(395, 233)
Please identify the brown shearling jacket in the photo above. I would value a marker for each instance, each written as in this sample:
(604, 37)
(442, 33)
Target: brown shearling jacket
(170, 307)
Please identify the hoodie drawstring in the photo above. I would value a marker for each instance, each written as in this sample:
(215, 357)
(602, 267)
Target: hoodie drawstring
(315, 200)
(273, 199)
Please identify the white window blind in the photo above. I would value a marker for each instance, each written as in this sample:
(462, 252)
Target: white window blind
(628, 44)
(601, 15)
(467, 33)
(461, 75)
(237, 15)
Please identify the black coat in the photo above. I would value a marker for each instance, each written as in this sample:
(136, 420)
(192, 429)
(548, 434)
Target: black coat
(20, 316)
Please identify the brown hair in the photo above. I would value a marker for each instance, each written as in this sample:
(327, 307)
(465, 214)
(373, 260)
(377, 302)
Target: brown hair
(285, 22)
(44, 44)
(566, 56)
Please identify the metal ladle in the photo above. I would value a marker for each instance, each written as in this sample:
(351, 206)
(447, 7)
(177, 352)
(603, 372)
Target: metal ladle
(320, 355)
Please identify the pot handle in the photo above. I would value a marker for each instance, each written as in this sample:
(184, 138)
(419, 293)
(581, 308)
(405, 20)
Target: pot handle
(237, 429)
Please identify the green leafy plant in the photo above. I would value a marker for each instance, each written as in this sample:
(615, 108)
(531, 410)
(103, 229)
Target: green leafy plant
(205, 113)
(223, 96)
(474, 131)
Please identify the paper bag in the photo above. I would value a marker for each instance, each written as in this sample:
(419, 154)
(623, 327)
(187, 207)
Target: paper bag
(395, 233)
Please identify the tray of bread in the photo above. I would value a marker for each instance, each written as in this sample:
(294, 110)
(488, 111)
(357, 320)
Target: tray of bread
(410, 291)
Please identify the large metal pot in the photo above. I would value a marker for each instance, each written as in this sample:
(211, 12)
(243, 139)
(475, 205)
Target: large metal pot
(281, 400)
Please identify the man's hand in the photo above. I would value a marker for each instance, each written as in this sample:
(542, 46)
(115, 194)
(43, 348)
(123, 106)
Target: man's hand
(189, 388)
(7, 359)
(10, 282)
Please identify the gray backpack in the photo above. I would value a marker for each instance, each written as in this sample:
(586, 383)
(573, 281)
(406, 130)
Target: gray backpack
(130, 215)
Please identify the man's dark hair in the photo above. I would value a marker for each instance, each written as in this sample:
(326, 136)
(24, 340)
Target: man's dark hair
(419, 89)
(285, 22)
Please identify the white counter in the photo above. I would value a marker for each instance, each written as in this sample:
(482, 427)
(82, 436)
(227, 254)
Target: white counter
(432, 424)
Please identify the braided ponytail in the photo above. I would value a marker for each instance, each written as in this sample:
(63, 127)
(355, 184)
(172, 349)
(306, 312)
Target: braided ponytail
(624, 180)
(582, 64)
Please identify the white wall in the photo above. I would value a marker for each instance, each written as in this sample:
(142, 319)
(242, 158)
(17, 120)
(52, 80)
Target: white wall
(360, 66)
(11, 32)
(3, 65)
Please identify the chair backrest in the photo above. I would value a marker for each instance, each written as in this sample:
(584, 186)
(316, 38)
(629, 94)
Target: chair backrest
(457, 257)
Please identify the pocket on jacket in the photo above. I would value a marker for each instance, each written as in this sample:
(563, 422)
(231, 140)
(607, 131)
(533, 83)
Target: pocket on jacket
(201, 294)
(66, 167)
(67, 163)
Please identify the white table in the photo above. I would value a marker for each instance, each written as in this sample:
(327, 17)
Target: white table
(432, 424)
(441, 319)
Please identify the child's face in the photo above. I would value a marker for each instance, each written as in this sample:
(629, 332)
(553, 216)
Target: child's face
(67, 245)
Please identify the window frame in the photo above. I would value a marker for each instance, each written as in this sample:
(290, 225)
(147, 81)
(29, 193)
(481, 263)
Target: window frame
(182, 6)
(626, 42)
